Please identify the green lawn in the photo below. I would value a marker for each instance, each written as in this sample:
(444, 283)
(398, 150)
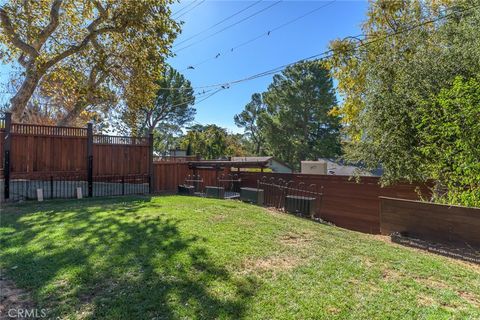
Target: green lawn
(178, 257)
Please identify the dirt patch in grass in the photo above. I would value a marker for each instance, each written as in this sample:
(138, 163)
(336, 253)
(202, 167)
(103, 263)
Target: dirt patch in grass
(275, 264)
(436, 284)
(296, 239)
(12, 297)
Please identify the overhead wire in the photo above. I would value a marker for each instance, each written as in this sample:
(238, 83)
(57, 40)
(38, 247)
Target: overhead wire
(193, 8)
(264, 34)
(329, 53)
(229, 26)
(184, 7)
(218, 23)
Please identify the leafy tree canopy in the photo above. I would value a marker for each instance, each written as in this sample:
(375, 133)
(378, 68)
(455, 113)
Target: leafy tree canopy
(212, 142)
(387, 82)
(172, 107)
(296, 123)
(96, 48)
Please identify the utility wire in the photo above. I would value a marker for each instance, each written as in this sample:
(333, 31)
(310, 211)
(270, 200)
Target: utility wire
(178, 17)
(329, 53)
(265, 34)
(218, 23)
(185, 7)
(229, 26)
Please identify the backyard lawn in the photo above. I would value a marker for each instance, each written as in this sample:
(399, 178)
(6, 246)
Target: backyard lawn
(177, 257)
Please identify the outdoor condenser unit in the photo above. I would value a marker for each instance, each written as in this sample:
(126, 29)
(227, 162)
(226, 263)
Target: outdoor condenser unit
(252, 195)
(186, 190)
(300, 204)
(215, 192)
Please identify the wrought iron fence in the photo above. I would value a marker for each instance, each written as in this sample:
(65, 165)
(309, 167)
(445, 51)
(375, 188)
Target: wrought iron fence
(197, 183)
(115, 185)
(230, 184)
(64, 186)
(291, 196)
(74, 185)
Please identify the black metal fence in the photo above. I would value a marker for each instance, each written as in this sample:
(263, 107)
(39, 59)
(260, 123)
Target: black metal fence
(70, 186)
(120, 185)
(290, 196)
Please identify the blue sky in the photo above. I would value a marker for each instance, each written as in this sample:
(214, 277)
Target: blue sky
(305, 37)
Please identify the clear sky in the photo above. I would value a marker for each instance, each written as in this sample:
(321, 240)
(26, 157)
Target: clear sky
(303, 38)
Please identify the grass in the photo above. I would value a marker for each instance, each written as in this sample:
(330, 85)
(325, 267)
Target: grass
(177, 257)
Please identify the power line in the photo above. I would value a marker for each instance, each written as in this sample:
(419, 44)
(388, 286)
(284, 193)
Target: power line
(218, 23)
(229, 26)
(265, 34)
(329, 53)
(183, 8)
(178, 17)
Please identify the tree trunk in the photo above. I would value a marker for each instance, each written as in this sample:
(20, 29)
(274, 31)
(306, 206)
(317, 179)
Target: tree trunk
(72, 115)
(23, 95)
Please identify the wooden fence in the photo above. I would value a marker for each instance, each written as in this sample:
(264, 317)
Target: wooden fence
(346, 203)
(38, 152)
(167, 175)
(428, 221)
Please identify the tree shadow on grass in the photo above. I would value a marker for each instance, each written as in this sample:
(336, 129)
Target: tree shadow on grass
(90, 262)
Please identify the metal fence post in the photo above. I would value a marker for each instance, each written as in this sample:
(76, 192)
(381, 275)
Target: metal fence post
(150, 164)
(6, 157)
(90, 159)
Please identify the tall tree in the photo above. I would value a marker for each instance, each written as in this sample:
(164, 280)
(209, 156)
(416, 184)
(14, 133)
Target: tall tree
(386, 80)
(124, 42)
(172, 107)
(248, 120)
(212, 142)
(297, 124)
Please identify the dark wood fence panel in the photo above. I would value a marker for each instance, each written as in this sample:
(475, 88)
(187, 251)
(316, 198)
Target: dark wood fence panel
(345, 202)
(168, 175)
(43, 150)
(428, 221)
(116, 159)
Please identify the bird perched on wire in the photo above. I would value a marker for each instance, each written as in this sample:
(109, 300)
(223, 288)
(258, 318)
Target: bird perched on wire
(218, 55)
(191, 67)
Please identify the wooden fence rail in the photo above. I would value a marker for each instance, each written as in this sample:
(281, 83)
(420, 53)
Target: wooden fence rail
(428, 221)
(345, 202)
(31, 151)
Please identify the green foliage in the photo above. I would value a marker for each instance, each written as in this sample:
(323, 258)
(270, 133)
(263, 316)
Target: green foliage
(297, 124)
(387, 85)
(212, 142)
(248, 119)
(94, 48)
(171, 109)
(450, 141)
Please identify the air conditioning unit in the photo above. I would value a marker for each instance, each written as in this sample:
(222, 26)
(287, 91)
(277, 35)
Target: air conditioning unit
(252, 195)
(215, 192)
(300, 205)
(186, 190)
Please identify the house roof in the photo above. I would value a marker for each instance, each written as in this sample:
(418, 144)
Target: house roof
(251, 159)
(260, 159)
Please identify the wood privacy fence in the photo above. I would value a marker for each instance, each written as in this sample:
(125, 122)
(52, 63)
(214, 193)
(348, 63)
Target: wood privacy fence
(346, 203)
(40, 152)
(430, 221)
(168, 175)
